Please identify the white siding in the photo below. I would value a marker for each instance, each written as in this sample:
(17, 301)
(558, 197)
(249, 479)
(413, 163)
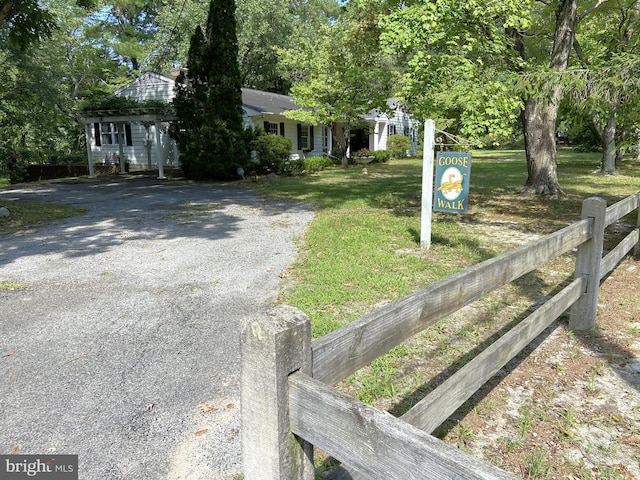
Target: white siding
(402, 122)
(136, 153)
(150, 86)
(290, 131)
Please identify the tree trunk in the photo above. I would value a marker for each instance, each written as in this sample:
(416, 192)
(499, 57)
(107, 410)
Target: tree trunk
(5, 9)
(340, 136)
(608, 166)
(540, 114)
(540, 148)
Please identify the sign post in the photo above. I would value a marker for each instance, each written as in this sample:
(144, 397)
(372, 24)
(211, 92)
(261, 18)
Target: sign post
(453, 171)
(427, 184)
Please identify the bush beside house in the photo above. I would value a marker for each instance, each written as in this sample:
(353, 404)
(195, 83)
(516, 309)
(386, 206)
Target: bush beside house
(398, 145)
(272, 153)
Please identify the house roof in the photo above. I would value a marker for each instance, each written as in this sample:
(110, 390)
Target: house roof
(159, 86)
(267, 102)
(144, 85)
(392, 103)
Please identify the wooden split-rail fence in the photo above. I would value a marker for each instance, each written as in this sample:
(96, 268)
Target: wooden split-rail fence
(288, 402)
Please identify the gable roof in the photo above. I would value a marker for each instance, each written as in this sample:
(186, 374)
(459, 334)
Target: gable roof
(267, 102)
(149, 86)
(159, 86)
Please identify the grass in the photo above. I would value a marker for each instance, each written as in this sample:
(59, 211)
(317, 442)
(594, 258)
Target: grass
(26, 215)
(7, 285)
(362, 250)
(363, 247)
(538, 464)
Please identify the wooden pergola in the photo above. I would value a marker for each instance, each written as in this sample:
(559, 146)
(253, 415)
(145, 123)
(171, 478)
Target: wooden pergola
(145, 116)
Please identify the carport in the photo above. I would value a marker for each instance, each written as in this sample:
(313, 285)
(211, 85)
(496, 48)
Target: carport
(147, 117)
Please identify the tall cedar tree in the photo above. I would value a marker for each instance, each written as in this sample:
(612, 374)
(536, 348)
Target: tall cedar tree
(208, 101)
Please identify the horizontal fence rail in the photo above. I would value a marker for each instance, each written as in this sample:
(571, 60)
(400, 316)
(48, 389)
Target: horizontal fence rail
(612, 259)
(378, 444)
(624, 207)
(445, 399)
(344, 351)
(288, 405)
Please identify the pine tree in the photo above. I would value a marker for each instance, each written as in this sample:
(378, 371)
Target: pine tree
(208, 102)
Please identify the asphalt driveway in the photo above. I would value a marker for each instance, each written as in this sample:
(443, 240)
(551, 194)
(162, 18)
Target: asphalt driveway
(123, 344)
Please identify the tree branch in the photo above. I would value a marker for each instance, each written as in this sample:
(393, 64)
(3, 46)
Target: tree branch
(631, 24)
(591, 9)
(579, 52)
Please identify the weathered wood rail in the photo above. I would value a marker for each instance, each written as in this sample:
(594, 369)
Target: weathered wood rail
(289, 406)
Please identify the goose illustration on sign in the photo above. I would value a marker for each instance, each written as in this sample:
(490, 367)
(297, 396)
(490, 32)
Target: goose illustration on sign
(452, 182)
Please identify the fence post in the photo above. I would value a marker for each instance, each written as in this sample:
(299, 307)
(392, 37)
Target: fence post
(583, 312)
(273, 346)
(636, 249)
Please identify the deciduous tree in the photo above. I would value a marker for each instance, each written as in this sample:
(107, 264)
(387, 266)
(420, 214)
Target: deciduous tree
(263, 28)
(541, 108)
(456, 61)
(607, 45)
(23, 22)
(341, 75)
(127, 27)
(43, 84)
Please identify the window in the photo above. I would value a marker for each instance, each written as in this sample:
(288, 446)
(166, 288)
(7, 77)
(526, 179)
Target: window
(272, 128)
(106, 133)
(305, 137)
(391, 129)
(325, 139)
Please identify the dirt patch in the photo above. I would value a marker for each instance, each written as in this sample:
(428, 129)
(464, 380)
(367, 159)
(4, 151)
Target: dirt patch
(571, 407)
(567, 407)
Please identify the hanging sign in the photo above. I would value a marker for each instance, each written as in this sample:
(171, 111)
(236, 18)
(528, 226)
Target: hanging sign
(453, 171)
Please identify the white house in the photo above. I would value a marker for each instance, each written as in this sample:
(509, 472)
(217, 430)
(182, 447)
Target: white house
(266, 110)
(140, 136)
(382, 126)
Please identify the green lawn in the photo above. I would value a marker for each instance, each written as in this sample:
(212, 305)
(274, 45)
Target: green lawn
(362, 250)
(26, 215)
(363, 247)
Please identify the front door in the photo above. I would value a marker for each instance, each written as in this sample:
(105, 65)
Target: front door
(359, 139)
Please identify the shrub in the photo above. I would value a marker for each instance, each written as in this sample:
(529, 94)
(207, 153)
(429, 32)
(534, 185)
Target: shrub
(292, 167)
(273, 154)
(398, 145)
(315, 164)
(336, 153)
(72, 158)
(17, 172)
(382, 156)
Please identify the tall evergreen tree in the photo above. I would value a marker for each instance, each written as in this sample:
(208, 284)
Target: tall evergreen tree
(208, 102)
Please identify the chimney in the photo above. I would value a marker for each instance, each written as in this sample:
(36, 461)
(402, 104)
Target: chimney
(175, 71)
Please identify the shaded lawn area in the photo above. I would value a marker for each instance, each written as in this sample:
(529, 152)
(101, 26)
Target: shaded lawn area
(26, 215)
(362, 251)
(363, 247)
